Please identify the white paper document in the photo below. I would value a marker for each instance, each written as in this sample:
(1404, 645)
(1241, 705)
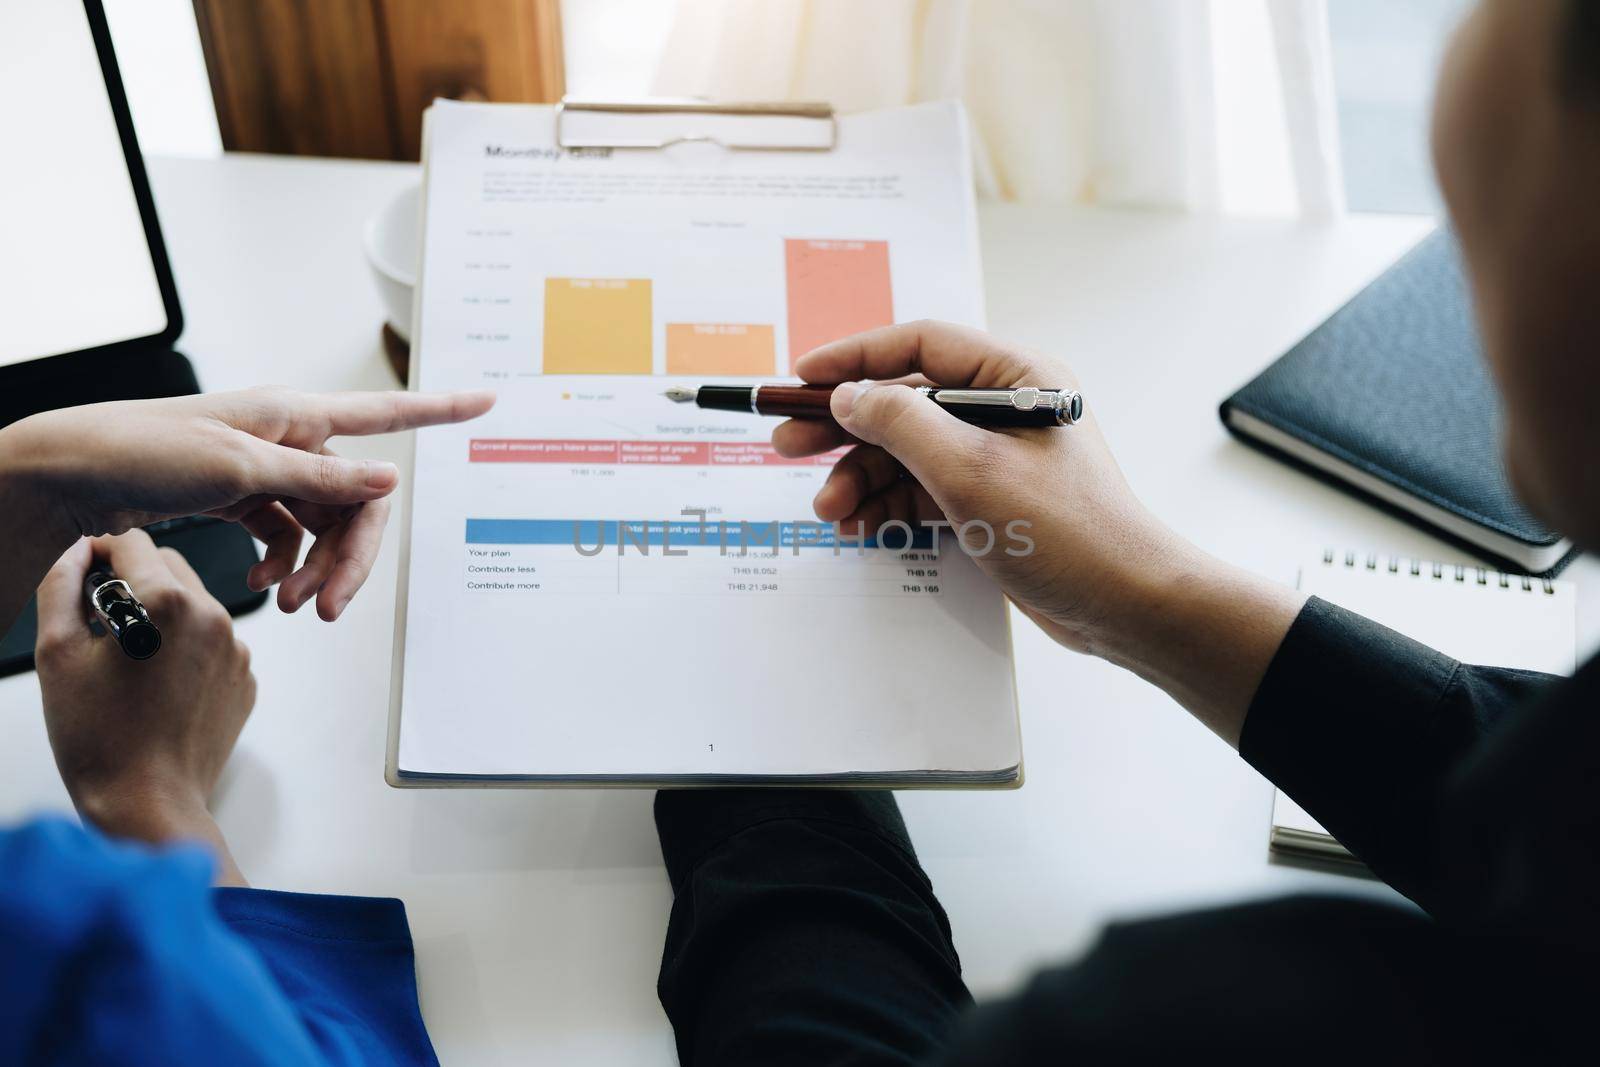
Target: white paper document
(600, 585)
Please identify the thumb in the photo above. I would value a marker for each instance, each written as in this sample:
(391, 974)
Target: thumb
(319, 477)
(920, 434)
(63, 612)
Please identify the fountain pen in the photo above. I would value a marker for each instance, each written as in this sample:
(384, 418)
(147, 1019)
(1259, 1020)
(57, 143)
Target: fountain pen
(1025, 406)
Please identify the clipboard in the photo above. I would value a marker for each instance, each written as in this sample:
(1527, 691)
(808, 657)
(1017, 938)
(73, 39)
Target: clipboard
(471, 722)
(604, 125)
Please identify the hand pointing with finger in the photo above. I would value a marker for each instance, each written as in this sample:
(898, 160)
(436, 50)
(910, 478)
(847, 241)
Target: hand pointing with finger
(258, 457)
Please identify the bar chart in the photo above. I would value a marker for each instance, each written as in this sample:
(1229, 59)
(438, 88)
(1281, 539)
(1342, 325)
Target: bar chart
(598, 326)
(835, 289)
(822, 289)
(720, 348)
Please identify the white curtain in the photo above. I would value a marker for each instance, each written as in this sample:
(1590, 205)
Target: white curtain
(1167, 103)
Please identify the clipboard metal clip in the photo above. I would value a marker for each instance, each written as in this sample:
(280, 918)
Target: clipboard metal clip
(786, 127)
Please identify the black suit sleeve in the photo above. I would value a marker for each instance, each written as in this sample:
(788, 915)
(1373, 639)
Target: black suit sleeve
(803, 931)
(1470, 789)
(1371, 733)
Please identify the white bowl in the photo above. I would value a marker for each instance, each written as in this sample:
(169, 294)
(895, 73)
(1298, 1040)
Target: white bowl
(391, 244)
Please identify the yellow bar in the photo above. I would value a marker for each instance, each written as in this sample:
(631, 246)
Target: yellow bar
(597, 326)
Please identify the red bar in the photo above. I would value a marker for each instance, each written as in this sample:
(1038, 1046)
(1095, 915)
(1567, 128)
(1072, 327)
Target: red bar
(835, 289)
(650, 453)
(508, 450)
(828, 459)
(729, 454)
(665, 453)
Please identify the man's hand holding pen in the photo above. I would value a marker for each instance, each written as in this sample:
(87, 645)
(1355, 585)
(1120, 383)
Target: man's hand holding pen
(1105, 576)
(915, 462)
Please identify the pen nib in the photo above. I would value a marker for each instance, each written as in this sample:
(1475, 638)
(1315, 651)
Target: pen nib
(679, 394)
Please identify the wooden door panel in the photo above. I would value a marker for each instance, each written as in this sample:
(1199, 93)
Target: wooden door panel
(504, 50)
(352, 77)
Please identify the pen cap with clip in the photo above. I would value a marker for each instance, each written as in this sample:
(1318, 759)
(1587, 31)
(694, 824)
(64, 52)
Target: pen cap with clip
(124, 618)
(1021, 407)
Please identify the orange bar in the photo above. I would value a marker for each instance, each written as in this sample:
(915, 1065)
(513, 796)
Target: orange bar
(720, 348)
(836, 288)
(597, 326)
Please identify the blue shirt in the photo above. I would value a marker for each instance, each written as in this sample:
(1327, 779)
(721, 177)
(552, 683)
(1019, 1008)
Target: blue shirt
(117, 953)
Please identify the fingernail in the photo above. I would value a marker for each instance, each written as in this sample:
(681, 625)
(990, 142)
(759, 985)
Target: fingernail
(844, 397)
(381, 475)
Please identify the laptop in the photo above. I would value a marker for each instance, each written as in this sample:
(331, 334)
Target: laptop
(88, 307)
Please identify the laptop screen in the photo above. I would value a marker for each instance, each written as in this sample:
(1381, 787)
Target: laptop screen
(75, 268)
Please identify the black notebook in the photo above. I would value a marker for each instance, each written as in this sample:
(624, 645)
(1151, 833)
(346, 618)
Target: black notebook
(1390, 399)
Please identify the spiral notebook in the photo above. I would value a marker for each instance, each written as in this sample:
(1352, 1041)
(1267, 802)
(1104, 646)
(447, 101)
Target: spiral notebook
(1473, 613)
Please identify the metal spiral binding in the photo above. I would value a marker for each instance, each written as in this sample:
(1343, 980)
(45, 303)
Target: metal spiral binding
(1440, 572)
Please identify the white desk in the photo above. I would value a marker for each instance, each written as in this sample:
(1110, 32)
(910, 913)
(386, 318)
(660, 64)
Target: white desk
(539, 916)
